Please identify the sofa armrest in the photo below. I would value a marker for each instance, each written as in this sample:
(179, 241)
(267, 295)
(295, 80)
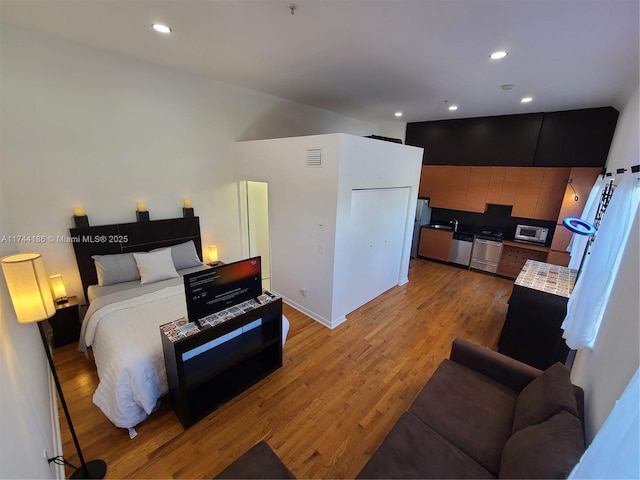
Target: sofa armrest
(505, 370)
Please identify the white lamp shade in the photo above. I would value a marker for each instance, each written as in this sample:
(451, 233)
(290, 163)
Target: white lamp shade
(57, 287)
(28, 287)
(213, 253)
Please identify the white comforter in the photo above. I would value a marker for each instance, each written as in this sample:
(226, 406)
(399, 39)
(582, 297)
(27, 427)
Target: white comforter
(123, 332)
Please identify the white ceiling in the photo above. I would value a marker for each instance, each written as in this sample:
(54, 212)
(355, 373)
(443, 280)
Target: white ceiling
(370, 58)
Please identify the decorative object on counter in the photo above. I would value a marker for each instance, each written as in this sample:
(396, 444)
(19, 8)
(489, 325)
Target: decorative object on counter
(32, 301)
(187, 209)
(80, 218)
(142, 215)
(58, 289)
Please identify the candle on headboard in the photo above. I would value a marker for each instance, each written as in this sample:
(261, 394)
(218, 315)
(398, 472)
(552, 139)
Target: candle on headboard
(186, 202)
(141, 207)
(78, 212)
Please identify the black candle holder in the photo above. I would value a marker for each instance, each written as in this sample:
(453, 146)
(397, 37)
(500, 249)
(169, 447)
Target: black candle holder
(142, 216)
(187, 212)
(81, 221)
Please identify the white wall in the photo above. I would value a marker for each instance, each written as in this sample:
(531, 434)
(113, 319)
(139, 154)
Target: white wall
(302, 216)
(307, 206)
(371, 164)
(83, 127)
(605, 371)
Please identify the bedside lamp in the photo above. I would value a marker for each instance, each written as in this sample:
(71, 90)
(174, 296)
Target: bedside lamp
(213, 255)
(57, 287)
(32, 301)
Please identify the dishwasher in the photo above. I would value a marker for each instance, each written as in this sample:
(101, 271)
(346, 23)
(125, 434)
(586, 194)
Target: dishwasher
(461, 246)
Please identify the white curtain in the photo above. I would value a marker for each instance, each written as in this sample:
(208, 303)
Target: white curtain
(614, 450)
(590, 295)
(579, 242)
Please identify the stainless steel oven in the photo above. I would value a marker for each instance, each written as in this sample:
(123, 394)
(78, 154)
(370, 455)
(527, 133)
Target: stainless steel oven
(485, 254)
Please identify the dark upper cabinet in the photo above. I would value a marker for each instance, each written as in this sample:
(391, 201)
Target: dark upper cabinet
(576, 138)
(508, 140)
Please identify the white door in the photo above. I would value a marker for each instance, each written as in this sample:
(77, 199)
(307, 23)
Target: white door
(258, 226)
(376, 229)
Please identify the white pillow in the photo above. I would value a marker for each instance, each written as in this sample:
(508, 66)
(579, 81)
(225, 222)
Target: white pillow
(155, 266)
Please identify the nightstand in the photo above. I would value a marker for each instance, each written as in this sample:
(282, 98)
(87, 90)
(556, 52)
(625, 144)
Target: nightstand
(66, 323)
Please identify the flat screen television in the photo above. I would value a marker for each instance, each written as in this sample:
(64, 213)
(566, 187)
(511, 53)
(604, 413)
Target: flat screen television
(212, 290)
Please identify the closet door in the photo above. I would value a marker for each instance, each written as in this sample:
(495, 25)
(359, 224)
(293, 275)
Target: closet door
(374, 244)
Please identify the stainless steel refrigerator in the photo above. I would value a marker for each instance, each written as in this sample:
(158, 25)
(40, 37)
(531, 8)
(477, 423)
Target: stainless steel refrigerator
(423, 217)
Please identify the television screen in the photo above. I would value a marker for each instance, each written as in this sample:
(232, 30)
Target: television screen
(217, 288)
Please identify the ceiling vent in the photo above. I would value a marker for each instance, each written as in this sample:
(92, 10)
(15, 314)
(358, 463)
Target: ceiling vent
(314, 157)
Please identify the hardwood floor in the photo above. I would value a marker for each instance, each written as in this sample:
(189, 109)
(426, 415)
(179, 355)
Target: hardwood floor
(328, 408)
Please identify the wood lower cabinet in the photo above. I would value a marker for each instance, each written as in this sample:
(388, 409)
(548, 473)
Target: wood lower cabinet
(515, 254)
(435, 243)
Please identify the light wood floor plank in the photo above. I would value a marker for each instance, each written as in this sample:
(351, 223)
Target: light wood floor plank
(337, 396)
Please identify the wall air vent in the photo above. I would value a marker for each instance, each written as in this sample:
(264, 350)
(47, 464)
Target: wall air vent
(314, 157)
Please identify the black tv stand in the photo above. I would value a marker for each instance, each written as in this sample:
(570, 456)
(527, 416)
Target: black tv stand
(209, 365)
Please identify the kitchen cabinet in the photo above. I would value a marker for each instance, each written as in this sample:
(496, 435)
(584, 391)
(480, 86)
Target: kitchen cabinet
(436, 185)
(458, 187)
(527, 192)
(582, 180)
(476, 199)
(515, 255)
(435, 243)
(503, 185)
(551, 193)
(576, 138)
(481, 141)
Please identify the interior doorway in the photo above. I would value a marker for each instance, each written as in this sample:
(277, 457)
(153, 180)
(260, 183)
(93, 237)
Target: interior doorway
(258, 226)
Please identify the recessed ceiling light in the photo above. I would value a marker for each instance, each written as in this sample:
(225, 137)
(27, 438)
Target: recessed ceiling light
(526, 99)
(158, 27)
(498, 55)
(453, 107)
(398, 114)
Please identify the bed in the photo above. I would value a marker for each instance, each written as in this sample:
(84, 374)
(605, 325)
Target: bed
(132, 278)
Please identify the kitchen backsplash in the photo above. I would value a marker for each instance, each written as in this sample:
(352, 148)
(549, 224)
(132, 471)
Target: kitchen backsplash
(496, 216)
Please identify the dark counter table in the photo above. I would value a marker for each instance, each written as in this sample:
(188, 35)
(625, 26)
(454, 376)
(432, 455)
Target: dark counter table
(532, 331)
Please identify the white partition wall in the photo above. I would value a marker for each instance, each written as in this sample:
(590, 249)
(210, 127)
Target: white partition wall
(329, 197)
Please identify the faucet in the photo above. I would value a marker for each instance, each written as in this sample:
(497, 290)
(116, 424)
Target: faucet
(455, 224)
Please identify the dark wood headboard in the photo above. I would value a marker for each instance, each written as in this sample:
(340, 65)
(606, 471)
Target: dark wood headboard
(129, 237)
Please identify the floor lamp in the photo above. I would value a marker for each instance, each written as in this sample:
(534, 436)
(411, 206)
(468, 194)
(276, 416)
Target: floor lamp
(32, 302)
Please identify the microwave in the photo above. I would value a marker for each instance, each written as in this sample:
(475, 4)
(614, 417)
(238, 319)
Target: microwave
(527, 233)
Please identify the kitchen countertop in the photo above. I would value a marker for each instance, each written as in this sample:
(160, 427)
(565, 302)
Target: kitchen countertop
(547, 278)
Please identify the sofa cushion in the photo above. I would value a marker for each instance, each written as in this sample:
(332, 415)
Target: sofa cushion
(550, 393)
(259, 462)
(413, 450)
(470, 410)
(547, 450)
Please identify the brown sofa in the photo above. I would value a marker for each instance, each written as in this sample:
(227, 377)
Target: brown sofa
(481, 415)
(485, 415)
